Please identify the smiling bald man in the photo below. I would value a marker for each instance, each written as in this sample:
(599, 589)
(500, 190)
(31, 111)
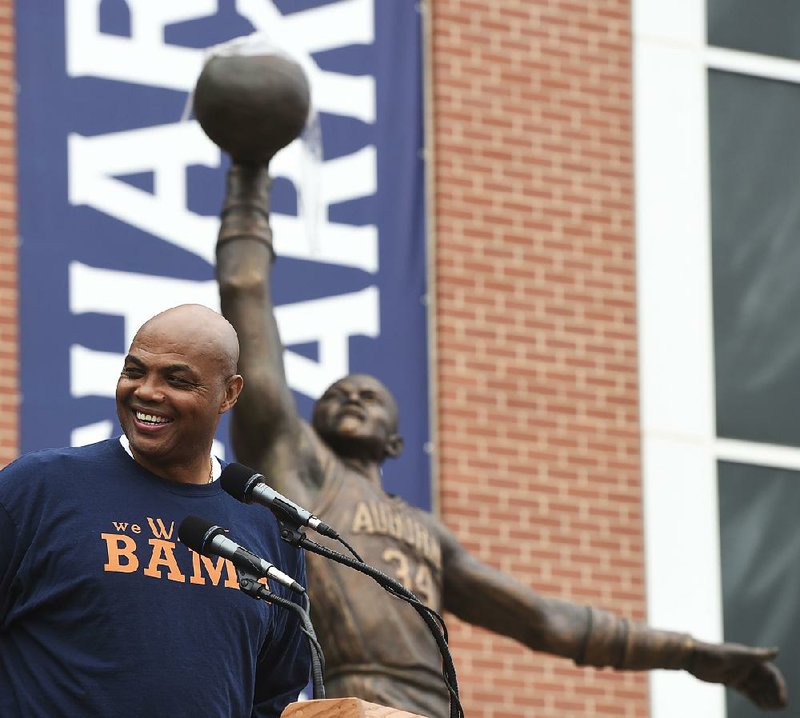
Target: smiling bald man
(102, 611)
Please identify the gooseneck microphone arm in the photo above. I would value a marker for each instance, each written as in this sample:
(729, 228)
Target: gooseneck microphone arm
(431, 618)
(248, 486)
(207, 539)
(250, 585)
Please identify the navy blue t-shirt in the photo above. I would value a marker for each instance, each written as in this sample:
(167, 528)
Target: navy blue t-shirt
(103, 612)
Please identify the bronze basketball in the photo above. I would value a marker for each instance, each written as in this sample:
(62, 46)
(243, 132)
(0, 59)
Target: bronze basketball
(252, 105)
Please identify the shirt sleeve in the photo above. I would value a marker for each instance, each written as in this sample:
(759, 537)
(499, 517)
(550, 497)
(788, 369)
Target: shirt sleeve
(8, 560)
(19, 503)
(284, 663)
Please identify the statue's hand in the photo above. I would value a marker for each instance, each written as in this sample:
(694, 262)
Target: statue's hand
(748, 670)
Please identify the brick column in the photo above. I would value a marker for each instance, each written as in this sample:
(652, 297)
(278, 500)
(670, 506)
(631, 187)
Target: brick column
(538, 456)
(9, 369)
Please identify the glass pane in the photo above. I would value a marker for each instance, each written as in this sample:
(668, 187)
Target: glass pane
(755, 210)
(770, 27)
(760, 554)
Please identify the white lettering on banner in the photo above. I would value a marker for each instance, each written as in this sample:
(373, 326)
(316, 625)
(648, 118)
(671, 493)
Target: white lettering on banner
(91, 433)
(93, 373)
(343, 179)
(143, 58)
(341, 24)
(340, 244)
(166, 151)
(97, 165)
(133, 296)
(330, 322)
(349, 22)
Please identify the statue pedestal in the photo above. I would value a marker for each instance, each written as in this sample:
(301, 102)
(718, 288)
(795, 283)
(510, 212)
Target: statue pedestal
(343, 708)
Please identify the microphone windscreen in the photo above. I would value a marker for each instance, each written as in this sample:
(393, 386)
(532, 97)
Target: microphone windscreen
(195, 532)
(236, 480)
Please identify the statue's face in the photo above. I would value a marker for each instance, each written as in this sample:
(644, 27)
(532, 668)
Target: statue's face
(357, 416)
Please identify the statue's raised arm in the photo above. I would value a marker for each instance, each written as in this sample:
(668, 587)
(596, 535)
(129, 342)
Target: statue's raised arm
(251, 106)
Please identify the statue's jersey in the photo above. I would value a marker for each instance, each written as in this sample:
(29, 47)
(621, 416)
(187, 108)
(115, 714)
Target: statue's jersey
(377, 646)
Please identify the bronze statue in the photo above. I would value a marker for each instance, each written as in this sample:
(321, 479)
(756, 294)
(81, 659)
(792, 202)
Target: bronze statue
(376, 647)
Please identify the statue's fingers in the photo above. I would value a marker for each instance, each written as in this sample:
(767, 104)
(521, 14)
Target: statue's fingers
(766, 687)
(761, 654)
(781, 693)
(767, 654)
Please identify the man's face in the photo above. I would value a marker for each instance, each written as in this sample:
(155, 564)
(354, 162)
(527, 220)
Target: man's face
(357, 415)
(169, 399)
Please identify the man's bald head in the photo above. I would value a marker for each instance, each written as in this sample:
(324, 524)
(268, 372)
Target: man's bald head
(177, 380)
(198, 326)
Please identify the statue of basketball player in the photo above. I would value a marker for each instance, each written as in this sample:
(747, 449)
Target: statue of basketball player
(376, 647)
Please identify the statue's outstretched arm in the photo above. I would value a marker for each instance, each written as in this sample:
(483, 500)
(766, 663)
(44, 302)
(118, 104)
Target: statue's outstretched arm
(486, 597)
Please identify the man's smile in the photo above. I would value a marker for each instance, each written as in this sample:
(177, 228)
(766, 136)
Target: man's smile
(150, 419)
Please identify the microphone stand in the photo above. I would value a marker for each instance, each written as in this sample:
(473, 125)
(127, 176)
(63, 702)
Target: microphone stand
(250, 585)
(291, 533)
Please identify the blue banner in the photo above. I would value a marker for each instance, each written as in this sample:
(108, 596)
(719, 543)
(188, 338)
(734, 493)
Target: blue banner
(119, 200)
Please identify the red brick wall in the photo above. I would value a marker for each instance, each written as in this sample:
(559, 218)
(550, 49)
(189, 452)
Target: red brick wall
(9, 384)
(538, 446)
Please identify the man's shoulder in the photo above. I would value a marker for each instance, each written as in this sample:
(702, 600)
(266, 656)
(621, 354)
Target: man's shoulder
(69, 452)
(40, 461)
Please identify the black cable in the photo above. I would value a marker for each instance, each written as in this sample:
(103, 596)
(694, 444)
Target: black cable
(252, 587)
(317, 657)
(432, 619)
(349, 548)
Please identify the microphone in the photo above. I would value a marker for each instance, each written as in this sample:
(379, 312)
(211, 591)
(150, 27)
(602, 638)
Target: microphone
(248, 486)
(205, 538)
